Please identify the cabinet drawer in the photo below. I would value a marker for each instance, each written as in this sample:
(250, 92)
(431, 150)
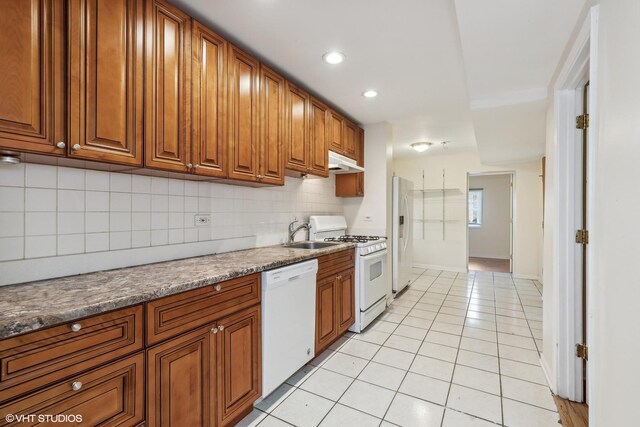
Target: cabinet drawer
(109, 396)
(36, 359)
(179, 313)
(334, 263)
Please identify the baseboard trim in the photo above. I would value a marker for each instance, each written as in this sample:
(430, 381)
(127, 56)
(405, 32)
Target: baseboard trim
(440, 267)
(500, 257)
(547, 374)
(527, 276)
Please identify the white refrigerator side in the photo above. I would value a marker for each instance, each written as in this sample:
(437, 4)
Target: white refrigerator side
(402, 233)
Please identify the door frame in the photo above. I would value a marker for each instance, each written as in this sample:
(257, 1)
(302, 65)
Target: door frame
(581, 65)
(512, 207)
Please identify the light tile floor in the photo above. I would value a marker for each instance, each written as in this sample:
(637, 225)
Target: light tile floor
(454, 350)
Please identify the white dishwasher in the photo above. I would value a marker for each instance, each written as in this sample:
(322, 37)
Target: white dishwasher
(288, 322)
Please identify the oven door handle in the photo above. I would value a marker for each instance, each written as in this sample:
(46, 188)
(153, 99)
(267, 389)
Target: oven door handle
(375, 255)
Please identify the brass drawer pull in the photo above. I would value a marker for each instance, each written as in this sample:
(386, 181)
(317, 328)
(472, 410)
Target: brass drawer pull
(76, 385)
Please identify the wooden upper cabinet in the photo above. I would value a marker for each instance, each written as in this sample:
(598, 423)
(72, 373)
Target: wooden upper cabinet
(272, 119)
(352, 184)
(297, 147)
(32, 66)
(106, 81)
(181, 380)
(336, 141)
(360, 158)
(243, 82)
(167, 87)
(239, 362)
(318, 138)
(209, 102)
(350, 135)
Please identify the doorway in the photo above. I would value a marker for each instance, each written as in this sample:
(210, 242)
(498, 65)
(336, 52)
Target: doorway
(490, 222)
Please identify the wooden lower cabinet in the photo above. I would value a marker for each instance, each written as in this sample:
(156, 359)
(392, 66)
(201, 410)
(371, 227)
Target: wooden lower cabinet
(239, 364)
(326, 330)
(112, 395)
(207, 377)
(181, 380)
(335, 298)
(345, 309)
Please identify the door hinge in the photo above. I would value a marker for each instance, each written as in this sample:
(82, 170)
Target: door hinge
(582, 237)
(582, 351)
(582, 121)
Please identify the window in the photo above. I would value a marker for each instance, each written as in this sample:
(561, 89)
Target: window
(475, 207)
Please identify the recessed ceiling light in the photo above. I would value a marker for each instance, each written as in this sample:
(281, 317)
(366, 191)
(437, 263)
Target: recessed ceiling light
(421, 146)
(370, 94)
(333, 57)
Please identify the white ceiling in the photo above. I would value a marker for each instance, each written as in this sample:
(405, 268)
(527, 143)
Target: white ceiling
(424, 57)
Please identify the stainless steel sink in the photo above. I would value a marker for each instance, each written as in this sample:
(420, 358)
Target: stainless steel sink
(310, 245)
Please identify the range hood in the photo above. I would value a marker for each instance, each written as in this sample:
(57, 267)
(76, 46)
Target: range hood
(342, 164)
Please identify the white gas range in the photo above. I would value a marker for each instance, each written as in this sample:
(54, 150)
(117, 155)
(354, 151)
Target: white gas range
(371, 266)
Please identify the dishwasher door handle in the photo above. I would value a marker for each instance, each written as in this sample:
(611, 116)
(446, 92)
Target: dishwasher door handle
(294, 277)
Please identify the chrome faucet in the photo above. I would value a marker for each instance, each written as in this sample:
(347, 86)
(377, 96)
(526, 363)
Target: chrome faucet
(292, 231)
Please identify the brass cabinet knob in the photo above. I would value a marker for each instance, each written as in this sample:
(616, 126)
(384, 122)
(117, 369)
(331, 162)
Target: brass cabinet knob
(76, 327)
(189, 166)
(76, 147)
(76, 385)
(214, 330)
(221, 328)
(217, 287)
(61, 144)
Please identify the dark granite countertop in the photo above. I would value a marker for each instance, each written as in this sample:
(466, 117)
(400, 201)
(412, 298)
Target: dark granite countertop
(29, 306)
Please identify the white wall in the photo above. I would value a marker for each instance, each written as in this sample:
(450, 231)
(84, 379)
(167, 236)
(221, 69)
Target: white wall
(493, 238)
(451, 253)
(366, 215)
(616, 290)
(371, 214)
(615, 336)
(57, 221)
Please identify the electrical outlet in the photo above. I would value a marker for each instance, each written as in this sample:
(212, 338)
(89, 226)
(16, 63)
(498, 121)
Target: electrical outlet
(203, 220)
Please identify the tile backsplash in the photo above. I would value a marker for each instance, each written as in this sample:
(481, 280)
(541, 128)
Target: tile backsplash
(48, 211)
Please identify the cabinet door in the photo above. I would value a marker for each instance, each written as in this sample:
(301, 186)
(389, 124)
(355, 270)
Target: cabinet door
(209, 102)
(112, 395)
(350, 134)
(181, 380)
(326, 300)
(167, 96)
(105, 70)
(32, 86)
(318, 138)
(297, 102)
(336, 142)
(239, 362)
(346, 307)
(272, 111)
(243, 81)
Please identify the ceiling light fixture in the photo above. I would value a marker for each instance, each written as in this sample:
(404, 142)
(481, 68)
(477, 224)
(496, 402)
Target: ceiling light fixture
(333, 58)
(421, 146)
(370, 94)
